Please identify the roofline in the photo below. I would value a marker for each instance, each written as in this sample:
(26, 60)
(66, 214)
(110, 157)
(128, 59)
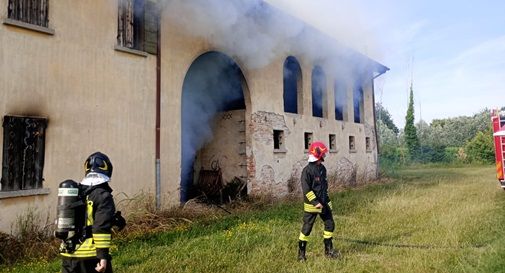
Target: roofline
(377, 67)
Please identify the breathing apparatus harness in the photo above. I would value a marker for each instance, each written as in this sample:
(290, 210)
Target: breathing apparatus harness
(72, 222)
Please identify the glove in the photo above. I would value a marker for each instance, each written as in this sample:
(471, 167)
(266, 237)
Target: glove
(119, 221)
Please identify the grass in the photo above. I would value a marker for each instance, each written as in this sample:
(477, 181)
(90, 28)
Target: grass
(425, 220)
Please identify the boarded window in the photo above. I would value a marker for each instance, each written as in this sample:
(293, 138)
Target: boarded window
(138, 25)
(23, 153)
(29, 11)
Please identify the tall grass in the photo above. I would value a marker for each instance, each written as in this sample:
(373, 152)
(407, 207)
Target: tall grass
(426, 220)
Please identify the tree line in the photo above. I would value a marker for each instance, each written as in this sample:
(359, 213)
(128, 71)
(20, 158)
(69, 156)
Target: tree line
(464, 139)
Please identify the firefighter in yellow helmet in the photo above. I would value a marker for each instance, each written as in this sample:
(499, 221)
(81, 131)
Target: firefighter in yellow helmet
(316, 201)
(91, 251)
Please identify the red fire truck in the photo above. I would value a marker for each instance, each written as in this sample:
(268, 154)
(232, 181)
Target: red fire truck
(498, 120)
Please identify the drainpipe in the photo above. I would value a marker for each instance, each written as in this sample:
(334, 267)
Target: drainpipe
(158, 114)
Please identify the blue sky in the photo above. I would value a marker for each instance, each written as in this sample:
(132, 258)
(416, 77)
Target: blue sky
(455, 50)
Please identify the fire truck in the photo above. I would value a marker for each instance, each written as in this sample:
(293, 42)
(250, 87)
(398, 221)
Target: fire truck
(498, 120)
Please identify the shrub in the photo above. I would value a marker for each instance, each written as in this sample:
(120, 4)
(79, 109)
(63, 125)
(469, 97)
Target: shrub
(481, 149)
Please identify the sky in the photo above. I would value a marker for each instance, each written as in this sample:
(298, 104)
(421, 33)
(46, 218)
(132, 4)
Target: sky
(453, 51)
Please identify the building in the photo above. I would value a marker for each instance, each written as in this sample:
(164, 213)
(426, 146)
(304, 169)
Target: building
(79, 77)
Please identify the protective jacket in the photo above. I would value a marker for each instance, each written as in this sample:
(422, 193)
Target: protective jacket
(315, 187)
(100, 210)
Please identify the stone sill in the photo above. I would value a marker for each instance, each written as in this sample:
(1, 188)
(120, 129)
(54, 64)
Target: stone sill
(130, 51)
(353, 151)
(368, 151)
(333, 151)
(24, 193)
(280, 151)
(21, 24)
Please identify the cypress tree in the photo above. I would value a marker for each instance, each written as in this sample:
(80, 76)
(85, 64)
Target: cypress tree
(410, 129)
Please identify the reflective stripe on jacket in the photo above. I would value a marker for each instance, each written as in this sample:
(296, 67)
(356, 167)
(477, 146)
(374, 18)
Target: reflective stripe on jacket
(314, 187)
(100, 212)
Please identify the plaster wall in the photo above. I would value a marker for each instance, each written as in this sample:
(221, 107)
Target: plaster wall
(94, 97)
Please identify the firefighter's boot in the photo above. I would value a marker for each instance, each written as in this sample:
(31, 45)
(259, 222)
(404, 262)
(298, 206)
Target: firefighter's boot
(302, 246)
(329, 252)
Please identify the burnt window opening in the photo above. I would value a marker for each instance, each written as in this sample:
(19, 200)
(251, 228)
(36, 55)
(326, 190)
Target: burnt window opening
(278, 140)
(318, 91)
(33, 12)
(352, 145)
(358, 104)
(307, 140)
(23, 153)
(138, 25)
(333, 142)
(340, 92)
(292, 85)
(367, 144)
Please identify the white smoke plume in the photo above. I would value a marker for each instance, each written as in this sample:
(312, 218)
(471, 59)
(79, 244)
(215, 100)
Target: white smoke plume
(255, 33)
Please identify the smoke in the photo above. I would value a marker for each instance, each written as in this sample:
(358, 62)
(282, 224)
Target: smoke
(256, 34)
(242, 28)
(318, 87)
(357, 102)
(292, 83)
(340, 91)
(213, 84)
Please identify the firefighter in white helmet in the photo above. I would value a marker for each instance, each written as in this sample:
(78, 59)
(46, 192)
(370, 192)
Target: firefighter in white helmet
(316, 201)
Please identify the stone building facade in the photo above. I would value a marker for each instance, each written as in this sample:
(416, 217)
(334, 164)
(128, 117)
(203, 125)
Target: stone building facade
(75, 81)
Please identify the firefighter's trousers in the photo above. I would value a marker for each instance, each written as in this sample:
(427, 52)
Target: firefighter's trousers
(76, 265)
(308, 221)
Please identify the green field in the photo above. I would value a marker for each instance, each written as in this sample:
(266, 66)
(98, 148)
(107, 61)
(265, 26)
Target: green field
(423, 220)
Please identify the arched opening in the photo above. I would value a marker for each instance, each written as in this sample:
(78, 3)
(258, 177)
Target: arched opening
(318, 90)
(292, 85)
(340, 95)
(358, 103)
(213, 140)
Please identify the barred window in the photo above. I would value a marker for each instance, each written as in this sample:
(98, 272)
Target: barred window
(33, 12)
(138, 25)
(23, 153)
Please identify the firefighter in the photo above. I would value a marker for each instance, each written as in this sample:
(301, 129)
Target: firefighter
(91, 252)
(316, 201)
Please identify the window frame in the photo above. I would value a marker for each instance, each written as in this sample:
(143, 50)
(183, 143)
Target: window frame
(26, 173)
(17, 19)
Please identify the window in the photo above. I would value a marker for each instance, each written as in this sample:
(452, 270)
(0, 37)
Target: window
(23, 153)
(352, 145)
(33, 12)
(138, 25)
(358, 104)
(308, 140)
(367, 144)
(279, 140)
(292, 85)
(318, 91)
(340, 92)
(333, 142)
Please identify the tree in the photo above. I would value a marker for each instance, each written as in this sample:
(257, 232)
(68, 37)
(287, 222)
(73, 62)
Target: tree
(410, 130)
(481, 147)
(386, 135)
(384, 116)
